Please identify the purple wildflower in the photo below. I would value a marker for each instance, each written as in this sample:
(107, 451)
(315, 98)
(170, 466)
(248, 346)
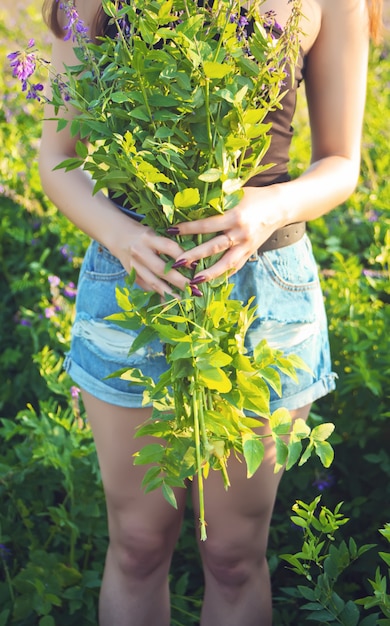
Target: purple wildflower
(54, 281)
(373, 216)
(123, 22)
(23, 64)
(241, 22)
(70, 290)
(62, 88)
(49, 312)
(75, 28)
(324, 481)
(270, 21)
(75, 392)
(24, 322)
(5, 553)
(66, 252)
(33, 92)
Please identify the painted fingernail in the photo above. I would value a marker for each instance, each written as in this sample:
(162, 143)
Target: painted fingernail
(179, 263)
(197, 280)
(194, 265)
(195, 291)
(173, 230)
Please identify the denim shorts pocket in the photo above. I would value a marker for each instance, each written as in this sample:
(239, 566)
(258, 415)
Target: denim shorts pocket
(285, 284)
(292, 268)
(100, 264)
(100, 275)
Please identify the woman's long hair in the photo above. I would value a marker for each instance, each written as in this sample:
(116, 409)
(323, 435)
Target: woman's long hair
(51, 8)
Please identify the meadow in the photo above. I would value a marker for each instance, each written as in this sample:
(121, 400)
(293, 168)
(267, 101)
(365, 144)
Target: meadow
(329, 557)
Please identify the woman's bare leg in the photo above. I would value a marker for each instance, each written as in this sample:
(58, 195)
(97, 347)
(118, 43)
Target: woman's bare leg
(143, 528)
(238, 589)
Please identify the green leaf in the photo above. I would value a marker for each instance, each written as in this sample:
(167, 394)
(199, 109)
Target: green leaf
(280, 421)
(215, 378)
(216, 358)
(253, 449)
(4, 617)
(300, 428)
(69, 164)
(143, 338)
(306, 592)
(322, 431)
(151, 453)
(350, 614)
(321, 616)
(298, 521)
(294, 452)
(306, 455)
(325, 452)
(281, 453)
(171, 334)
(151, 474)
(161, 100)
(140, 113)
(182, 350)
(119, 97)
(187, 198)
(211, 175)
(62, 123)
(169, 495)
(47, 620)
(212, 69)
(386, 557)
(253, 116)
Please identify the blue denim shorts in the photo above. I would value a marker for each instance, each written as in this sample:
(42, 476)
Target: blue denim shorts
(291, 316)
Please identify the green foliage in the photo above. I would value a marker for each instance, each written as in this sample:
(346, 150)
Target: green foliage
(57, 530)
(321, 562)
(176, 146)
(200, 402)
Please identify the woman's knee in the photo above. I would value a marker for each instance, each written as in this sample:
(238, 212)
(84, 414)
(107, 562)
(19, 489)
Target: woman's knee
(233, 566)
(140, 550)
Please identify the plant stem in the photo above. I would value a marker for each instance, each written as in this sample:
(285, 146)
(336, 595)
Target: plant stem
(9, 580)
(199, 471)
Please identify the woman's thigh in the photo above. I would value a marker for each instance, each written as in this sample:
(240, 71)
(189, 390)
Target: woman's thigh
(131, 512)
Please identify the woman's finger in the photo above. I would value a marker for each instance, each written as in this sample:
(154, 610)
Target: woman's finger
(208, 225)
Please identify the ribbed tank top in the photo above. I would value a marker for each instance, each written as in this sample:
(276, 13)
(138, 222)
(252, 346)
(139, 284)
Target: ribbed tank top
(281, 134)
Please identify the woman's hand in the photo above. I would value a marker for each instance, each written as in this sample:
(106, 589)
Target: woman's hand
(139, 248)
(238, 233)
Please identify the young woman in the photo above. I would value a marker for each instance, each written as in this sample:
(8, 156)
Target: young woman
(143, 529)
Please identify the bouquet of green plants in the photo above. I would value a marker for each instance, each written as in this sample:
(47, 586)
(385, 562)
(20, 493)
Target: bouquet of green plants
(171, 109)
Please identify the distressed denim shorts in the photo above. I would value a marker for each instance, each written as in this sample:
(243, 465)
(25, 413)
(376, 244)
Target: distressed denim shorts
(291, 317)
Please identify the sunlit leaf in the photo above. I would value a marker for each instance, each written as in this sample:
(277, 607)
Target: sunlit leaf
(215, 378)
(187, 198)
(216, 70)
(322, 431)
(253, 449)
(325, 452)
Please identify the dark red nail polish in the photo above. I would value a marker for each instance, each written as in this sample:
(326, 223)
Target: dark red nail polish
(173, 230)
(197, 280)
(195, 291)
(179, 263)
